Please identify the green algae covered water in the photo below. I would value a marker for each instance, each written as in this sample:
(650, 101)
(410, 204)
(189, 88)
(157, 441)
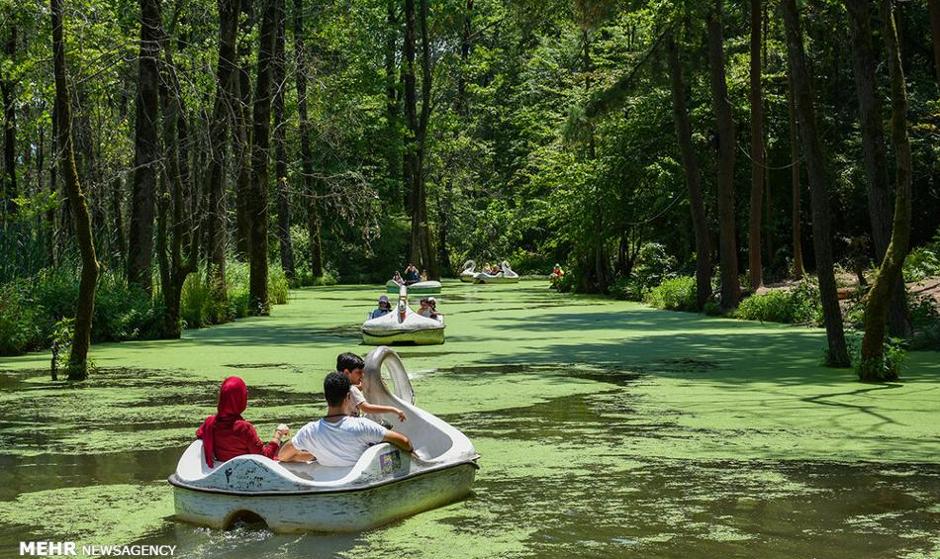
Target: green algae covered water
(606, 429)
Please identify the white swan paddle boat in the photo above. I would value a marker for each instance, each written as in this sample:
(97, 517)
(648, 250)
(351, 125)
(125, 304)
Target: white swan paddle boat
(469, 270)
(419, 288)
(403, 325)
(505, 275)
(386, 483)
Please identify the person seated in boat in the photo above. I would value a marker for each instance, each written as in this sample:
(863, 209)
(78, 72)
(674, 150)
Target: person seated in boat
(425, 308)
(385, 307)
(424, 275)
(432, 304)
(398, 279)
(337, 439)
(352, 366)
(411, 275)
(555, 277)
(226, 434)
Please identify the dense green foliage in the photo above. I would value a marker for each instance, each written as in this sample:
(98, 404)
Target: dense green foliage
(799, 305)
(676, 294)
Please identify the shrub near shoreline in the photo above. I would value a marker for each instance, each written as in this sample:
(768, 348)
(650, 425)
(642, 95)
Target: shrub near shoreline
(30, 308)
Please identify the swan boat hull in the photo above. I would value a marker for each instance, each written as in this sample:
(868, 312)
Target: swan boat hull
(345, 510)
(432, 336)
(420, 288)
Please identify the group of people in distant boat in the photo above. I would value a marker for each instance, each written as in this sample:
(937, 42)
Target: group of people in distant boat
(410, 276)
(337, 439)
(428, 308)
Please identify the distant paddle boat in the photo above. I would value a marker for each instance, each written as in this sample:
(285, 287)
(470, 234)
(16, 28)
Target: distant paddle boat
(469, 270)
(505, 275)
(384, 485)
(403, 325)
(419, 288)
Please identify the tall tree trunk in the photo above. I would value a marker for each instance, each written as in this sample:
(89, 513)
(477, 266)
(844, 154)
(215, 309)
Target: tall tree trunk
(146, 149)
(703, 265)
(280, 151)
(934, 6)
(392, 117)
(78, 358)
(796, 191)
(411, 167)
(260, 135)
(838, 355)
(727, 245)
(424, 227)
(873, 145)
(225, 100)
(758, 165)
(173, 221)
(53, 189)
(241, 132)
(8, 85)
(872, 367)
(315, 255)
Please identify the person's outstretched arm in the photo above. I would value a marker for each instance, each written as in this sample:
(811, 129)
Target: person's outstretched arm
(290, 453)
(366, 407)
(399, 440)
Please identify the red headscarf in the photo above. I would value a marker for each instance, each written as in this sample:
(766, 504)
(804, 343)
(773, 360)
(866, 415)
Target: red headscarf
(233, 399)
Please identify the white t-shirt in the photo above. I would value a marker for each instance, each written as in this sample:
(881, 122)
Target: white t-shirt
(340, 443)
(355, 399)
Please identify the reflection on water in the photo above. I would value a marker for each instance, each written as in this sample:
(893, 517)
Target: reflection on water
(557, 480)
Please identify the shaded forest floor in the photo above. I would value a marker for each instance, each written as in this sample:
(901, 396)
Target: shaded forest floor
(609, 427)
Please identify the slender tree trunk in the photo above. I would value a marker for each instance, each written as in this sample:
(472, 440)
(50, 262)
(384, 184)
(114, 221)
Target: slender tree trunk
(8, 85)
(173, 222)
(81, 341)
(703, 265)
(225, 99)
(53, 189)
(315, 255)
(392, 116)
(758, 165)
(838, 355)
(427, 246)
(934, 6)
(873, 145)
(146, 149)
(412, 172)
(260, 136)
(280, 151)
(727, 246)
(241, 132)
(117, 212)
(872, 367)
(796, 191)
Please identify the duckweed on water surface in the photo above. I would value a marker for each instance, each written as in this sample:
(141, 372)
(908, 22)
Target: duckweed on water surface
(606, 429)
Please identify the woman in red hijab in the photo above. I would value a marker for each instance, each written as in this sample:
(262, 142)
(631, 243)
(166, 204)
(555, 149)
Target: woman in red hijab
(226, 435)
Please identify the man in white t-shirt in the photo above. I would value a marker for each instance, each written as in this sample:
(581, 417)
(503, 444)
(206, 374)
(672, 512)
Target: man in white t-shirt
(338, 439)
(352, 366)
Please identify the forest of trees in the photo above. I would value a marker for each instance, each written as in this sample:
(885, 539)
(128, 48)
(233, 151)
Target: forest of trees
(157, 144)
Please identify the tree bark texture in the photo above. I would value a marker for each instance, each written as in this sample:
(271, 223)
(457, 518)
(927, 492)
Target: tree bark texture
(81, 340)
(703, 265)
(241, 132)
(146, 149)
(258, 303)
(727, 245)
(873, 146)
(8, 94)
(795, 189)
(838, 355)
(934, 7)
(758, 164)
(280, 151)
(315, 254)
(872, 367)
(225, 100)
